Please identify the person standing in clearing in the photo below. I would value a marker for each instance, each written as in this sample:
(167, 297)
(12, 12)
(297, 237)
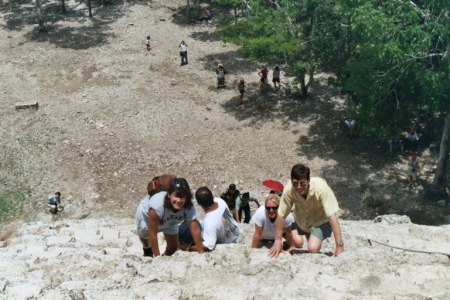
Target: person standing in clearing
(147, 42)
(263, 74)
(220, 72)
(314, 207)
(413, 166)
(241, 88)
(183, 53)
(276, 78)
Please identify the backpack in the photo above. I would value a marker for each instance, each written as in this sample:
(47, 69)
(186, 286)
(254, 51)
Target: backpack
(160, 183)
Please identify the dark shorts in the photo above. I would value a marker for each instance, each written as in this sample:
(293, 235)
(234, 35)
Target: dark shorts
(184, 234)
(263, 79)
(242, 92)
(321, 232)
(276, 79)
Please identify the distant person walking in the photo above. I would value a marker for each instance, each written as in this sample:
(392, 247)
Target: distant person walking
(413, 166)
(220, 72)
(241, 88)
(183, 53)
(263, 74)
(147, 42)
(276, 78)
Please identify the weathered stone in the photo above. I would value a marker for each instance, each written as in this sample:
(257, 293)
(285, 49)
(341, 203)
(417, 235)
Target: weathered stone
(25, 105)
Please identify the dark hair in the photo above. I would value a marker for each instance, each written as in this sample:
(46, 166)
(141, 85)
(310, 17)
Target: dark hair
(58, 194)
(300, 171)
(246, 195)
(204, 197)
(232, 186)
(181, 188)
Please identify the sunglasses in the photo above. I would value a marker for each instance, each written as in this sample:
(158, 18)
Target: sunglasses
(271, 207)
(299, 183)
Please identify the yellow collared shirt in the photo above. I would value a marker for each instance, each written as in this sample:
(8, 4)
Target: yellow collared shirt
(320, 203)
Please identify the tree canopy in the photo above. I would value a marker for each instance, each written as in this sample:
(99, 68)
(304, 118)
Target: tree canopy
(391, 57)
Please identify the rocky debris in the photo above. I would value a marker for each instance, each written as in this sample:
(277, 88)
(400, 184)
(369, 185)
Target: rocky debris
(25, 105)
(102, 259)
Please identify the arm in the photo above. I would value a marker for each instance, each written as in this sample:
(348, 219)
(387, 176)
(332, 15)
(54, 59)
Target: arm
(237, 206)
(256, 236)
(153, 225)
(236, 215)
(257, 203)
(336, 228)
(277, 247)
(197, 235)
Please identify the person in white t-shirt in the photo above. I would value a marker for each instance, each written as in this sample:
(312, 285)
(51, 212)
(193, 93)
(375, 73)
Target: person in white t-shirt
(183, 53)
(163, 212)
(265, 225)
(218, 225)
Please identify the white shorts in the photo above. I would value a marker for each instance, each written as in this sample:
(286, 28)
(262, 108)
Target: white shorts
(142, 229)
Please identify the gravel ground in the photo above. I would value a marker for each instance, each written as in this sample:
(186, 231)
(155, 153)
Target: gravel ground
(113, 115)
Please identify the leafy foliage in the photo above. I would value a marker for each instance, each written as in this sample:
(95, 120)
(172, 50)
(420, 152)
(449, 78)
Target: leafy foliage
(11, 202)
(388, 55)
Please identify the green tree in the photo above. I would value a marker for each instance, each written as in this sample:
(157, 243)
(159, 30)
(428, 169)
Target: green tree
(272, 32)
(395, 68)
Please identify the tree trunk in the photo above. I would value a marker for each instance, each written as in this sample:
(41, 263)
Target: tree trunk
(63, 6)
(90, 8)
(305, 86)
(197, 8)
(438, 187)
(189, 11)
(39, 15)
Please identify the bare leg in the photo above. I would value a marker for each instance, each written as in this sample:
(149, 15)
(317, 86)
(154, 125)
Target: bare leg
(172, 243)
(298, 239)
(314, 244)
(145, 243)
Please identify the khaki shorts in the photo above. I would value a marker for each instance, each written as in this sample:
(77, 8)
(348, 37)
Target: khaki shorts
(321, 232)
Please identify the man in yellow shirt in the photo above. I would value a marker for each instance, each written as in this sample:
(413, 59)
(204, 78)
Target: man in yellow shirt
(314, 210)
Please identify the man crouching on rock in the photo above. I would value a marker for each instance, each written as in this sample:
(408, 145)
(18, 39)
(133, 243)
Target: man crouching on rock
(315, 208)
(218, 225)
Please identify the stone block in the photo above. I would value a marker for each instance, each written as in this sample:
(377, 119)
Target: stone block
(27, 105)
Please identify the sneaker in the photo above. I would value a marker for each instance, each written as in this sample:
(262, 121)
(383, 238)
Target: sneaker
(148, 252)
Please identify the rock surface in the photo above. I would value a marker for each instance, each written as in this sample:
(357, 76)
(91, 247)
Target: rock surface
(102, 259)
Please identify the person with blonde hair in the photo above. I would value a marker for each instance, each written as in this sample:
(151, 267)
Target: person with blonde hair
(265, 219)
